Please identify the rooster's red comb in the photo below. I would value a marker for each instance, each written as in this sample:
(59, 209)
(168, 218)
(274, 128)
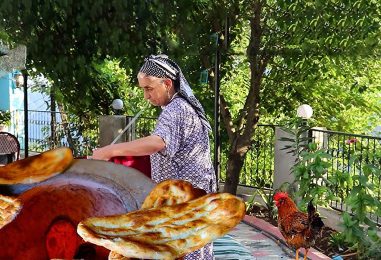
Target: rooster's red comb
(280, 195)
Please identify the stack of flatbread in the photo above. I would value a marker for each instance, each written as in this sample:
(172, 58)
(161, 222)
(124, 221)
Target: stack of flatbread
(30, 170)
(175, 220)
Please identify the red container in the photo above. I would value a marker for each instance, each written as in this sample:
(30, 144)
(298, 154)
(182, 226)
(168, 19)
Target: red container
(140, 163)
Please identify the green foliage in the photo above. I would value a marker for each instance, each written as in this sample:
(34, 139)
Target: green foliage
(311, 174)
(114, 81)
(84, 136)
(5, 117)
(350, 89)
(316, 180)
(84, 35)
(337, 240)
(278, 54)
(360, 230)
(267, 198)
(310, 58)
(297, 128)
(311, 166)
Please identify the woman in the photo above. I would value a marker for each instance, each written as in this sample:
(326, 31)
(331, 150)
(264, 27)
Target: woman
(179, 146)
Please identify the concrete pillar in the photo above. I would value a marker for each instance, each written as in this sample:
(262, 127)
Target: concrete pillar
(110, 127)
(320, 138)
(283, 161)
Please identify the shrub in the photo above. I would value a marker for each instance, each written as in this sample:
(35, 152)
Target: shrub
(5, 117)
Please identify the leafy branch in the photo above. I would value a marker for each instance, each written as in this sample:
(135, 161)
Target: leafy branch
(311, 164)
(5, 117)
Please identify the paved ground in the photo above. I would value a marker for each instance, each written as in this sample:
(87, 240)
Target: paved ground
(261, 240)
(259, 245)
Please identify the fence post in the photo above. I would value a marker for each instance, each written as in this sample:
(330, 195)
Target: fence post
(131, 132)
(283, 161)
(318, 137)
(110, 126)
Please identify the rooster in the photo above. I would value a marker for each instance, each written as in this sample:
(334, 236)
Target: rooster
(299, 229)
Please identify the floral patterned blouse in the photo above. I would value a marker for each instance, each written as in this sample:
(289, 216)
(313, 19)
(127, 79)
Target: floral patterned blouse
(186, 155)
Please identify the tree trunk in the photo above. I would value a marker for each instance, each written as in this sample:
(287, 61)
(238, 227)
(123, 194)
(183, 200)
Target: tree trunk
(248, 118)
(234, 165)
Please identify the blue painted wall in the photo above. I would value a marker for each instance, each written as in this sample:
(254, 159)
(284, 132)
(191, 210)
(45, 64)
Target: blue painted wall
(11, 97)
(5, 87)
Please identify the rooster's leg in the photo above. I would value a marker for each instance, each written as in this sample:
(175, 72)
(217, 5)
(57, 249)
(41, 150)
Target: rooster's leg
(297, 254)
(305, 254)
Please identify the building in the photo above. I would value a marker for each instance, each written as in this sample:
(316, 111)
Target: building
(12, 99)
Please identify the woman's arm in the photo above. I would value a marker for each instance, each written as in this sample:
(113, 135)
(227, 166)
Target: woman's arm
(143, 146)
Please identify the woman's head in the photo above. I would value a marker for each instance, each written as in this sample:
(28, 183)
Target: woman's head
(158, 91)
(160, 66)
(159, 78)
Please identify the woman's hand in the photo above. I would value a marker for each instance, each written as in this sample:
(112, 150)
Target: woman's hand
(143, 146)
(104, 153)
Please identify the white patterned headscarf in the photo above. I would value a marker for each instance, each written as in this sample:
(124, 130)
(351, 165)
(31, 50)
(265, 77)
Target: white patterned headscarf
(161, 66)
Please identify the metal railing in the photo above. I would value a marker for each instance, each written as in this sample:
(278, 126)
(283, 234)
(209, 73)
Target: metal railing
(350, 152)
(258, 167)
(143, 126)
(46, 130)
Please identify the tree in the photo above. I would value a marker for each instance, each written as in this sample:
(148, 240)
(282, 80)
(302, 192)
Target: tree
(290, 40)
(68, 40)
(274, 53)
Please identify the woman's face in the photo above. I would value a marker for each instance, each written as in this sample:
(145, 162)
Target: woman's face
(155, 89)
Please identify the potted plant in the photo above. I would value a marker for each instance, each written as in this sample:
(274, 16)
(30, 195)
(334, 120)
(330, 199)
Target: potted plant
(5, 119)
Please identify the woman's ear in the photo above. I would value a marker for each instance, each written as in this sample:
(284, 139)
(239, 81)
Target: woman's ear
(168, 83)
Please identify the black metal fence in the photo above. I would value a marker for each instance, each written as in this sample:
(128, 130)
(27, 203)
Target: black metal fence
(350, 153)
(47, 130)
(143, 126)
(258, 167)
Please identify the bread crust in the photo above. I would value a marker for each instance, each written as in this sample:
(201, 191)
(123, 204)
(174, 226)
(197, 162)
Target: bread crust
(171, 192)
(9, 208)
(36, 168)
(166, 193)
(167, 232)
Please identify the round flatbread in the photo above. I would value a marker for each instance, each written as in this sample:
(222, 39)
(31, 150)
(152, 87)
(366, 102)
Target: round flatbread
(36, 168)
(171, 192)
(167, 232)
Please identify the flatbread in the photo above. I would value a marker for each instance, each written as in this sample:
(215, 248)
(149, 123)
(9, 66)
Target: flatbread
(9, 208)
(36, 168)
(171, 192)
(167, 232)
(166, 193)
(116, 256)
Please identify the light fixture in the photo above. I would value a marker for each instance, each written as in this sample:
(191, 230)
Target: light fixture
(117, 105)
(304, 111)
